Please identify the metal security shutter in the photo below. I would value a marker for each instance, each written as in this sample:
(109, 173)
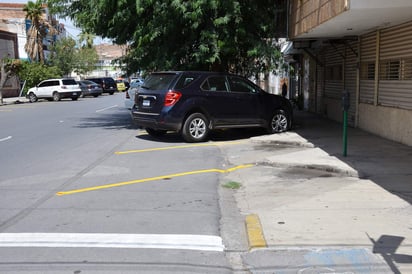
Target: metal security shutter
(320, 72)
(395, 76)
(334, 60)
(367, 68)
(351, 73)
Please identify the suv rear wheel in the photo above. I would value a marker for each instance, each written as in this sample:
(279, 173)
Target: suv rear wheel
(195, 128)
(279, 122)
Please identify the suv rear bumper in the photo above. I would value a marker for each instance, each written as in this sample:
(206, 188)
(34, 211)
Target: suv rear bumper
(71, 94)
(155, 121)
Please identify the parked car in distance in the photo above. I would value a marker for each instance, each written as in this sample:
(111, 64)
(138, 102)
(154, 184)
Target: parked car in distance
(89, 88)
(139, 80)
(107, 83)
(54, 89)
(122, 85)
(130, 94)
(194, 103)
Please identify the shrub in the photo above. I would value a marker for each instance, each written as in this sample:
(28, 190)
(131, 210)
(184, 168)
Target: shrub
(34, 73)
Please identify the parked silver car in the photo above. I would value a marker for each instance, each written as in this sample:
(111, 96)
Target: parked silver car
(131, 92)
(90, 88)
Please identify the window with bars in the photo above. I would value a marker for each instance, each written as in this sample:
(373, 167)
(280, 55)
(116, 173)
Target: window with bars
(407, 69)
(390, 70)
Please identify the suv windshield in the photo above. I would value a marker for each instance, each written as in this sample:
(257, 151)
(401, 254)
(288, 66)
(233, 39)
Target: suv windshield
(158, 81)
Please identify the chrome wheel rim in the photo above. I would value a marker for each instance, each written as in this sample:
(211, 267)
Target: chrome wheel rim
(279, 123)
(32, 97)
(197, 128)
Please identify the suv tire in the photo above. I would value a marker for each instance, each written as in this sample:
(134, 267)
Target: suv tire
(195, 128)
(279, 122)
(32, 97)
(56, 96)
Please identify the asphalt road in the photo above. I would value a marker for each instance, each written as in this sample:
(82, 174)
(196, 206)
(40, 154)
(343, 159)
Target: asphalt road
(84, 191)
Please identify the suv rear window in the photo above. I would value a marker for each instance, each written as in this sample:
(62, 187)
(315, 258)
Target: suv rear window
(109, 80)
(159, 81)
(185, 80)
(69, 82)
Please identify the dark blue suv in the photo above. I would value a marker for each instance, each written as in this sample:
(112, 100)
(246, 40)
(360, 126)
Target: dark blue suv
(196, 102)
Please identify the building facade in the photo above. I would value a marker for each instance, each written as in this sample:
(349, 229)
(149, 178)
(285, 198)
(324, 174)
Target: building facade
(13, 37)
(357, 46)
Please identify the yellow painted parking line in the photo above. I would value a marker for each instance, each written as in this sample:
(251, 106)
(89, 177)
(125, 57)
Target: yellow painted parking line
(255, 232)
(177, 147)
(80, 190)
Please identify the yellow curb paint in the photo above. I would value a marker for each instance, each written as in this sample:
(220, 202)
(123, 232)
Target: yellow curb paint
(255, 232)
(61, 193)
(176, 147)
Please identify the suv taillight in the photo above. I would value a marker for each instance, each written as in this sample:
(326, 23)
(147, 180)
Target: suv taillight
(172, 97)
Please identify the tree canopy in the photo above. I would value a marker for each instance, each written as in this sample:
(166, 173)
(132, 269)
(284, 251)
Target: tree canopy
(226, 35)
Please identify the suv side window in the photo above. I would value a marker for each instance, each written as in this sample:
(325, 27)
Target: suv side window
(215, 83)
(45, 84)
(238, 84)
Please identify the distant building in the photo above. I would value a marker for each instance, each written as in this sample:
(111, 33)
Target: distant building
(8, 48)
(12, 19)
(106, 65)
(13, 37)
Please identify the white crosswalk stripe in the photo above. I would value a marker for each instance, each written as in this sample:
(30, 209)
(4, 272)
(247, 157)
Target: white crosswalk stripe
(102, 240)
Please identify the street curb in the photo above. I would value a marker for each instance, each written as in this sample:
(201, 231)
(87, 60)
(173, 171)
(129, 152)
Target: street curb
(285, 139)
(326, 168)
(14, 101)
(254, 231)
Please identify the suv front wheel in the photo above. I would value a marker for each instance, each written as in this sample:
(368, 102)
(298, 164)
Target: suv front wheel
(32, 97)
(195, 128)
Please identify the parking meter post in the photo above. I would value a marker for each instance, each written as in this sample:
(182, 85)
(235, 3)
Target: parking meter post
(345, 133)
(345, 106)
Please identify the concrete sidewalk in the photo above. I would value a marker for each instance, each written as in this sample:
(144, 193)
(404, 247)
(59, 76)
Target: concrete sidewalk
(307, 195)
(15, 100)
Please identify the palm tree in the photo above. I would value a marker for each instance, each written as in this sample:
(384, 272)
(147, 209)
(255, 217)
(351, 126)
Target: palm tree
(39, 28)
(87, 38)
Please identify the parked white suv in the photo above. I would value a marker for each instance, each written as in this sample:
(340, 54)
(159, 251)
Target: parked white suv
(55, 89)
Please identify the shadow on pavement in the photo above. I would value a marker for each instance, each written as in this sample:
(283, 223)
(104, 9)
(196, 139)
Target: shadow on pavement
(215, 136)
(112, 121)
(386, 246)
(385, 162)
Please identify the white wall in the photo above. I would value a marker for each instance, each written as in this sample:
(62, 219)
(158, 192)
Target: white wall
(390, 123)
